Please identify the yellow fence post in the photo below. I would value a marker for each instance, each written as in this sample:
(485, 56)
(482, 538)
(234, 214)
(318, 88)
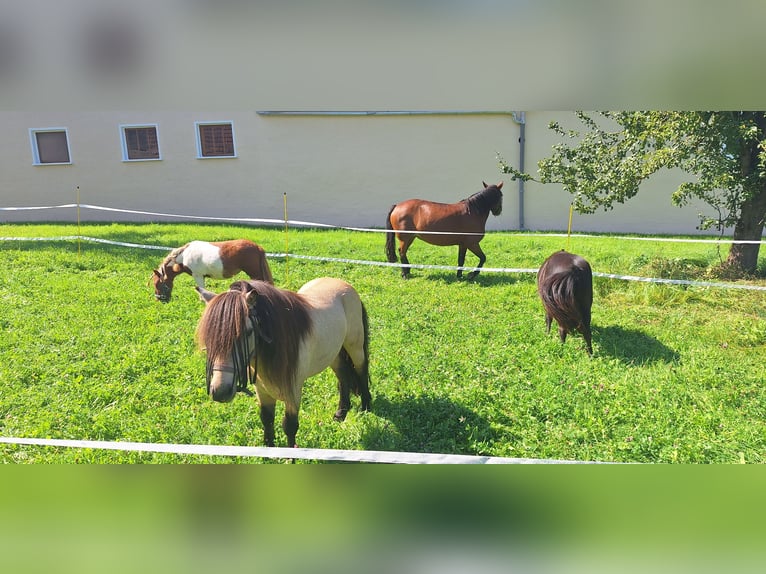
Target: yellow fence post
(287, 250)
(79, 235)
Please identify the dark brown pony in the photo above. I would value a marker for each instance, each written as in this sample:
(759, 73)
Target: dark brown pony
(565, 284)
(460, 224)
(276, 339)
(219, 260)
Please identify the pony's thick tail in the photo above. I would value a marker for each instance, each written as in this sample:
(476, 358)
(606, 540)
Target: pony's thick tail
(559, 296)
(390, 248)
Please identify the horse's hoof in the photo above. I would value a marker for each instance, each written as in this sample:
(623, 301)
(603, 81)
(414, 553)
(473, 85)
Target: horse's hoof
(340, 415)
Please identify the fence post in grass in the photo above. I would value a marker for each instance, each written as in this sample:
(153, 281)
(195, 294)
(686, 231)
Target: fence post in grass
(569, 227)
(287, 283)
(79, 235)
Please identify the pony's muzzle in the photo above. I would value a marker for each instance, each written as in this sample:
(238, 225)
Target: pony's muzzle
(220, 389)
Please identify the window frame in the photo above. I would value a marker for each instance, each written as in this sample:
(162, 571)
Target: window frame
(198, 135)
(124, 142)
(36, 149)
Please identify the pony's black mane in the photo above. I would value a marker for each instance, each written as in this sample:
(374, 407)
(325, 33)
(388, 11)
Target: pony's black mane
(485, 200)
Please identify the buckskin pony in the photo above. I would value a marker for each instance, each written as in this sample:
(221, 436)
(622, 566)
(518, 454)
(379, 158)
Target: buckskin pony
(217, 260)
(565, 285)
(275, 339)
(462, 224)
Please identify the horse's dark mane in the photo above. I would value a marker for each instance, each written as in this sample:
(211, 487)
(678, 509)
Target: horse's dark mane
(283, 319)
(485, 200)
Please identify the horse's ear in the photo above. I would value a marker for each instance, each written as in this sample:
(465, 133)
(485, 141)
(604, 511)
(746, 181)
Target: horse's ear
(251, 298)
(204, 294)
(484, 184)
(500, 185)
(176, 267)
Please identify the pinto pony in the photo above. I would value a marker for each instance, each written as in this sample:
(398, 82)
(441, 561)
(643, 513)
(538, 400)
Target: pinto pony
(219, 260)
(276, 339)
(565, 285)
(460, 224)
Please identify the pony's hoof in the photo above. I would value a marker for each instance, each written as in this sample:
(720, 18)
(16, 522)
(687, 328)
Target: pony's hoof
(340, 415)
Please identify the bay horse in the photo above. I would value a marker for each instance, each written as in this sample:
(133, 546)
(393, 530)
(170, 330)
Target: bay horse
(460, 224)
(565, 285)
(275, 339)
(218, 260)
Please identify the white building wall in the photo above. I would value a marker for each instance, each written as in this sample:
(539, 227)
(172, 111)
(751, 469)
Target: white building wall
(183, 62)
(336, 169)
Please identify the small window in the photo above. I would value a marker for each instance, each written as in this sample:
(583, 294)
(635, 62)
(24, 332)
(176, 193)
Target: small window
(215, 140)
(140, 143)
(50, 146)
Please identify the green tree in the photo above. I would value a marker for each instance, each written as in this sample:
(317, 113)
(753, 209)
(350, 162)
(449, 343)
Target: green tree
(724, 153)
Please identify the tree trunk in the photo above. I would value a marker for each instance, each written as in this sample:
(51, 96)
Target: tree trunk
(743, 257)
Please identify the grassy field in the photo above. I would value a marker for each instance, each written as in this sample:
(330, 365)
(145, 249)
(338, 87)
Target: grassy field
(456, 367)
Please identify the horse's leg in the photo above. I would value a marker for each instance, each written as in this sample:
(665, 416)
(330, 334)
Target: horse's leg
(404, 245)
(290, 424)
(548, 321)
(347, 379)
(587, 335)
(476, 250)
(460, 260)
(585, 324)
(267, 407)
(267, 420)
(199, 280)
(562, 334)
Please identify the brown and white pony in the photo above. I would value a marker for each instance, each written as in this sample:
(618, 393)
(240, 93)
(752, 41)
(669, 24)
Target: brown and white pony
(460, 224)
(565, 285)
(276, 339)
(218, 260)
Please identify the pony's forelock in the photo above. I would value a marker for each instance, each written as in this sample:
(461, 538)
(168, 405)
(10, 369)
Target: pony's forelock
(222, 323)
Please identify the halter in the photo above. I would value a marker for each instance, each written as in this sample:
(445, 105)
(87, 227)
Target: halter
(162, 287)
(242, 353)
(164, 291)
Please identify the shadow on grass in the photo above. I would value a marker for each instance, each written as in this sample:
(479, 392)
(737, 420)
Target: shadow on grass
(632, 346)
(426, 424)
(484, 279)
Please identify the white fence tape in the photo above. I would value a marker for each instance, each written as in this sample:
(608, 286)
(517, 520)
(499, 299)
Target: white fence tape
(332, 455)
(687, 282)
(266, 221)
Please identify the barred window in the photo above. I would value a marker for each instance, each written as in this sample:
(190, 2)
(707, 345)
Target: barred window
(140, 143)
(50, 146)
(215, 140)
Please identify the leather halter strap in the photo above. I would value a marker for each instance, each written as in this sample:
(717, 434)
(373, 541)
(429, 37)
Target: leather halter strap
(223, 368)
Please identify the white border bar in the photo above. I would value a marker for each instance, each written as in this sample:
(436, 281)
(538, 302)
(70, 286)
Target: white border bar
(372, 456)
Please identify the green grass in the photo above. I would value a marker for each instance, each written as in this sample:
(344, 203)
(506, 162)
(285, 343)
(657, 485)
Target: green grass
(456, 367)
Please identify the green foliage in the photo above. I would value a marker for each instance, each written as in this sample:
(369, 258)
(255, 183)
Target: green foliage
(723, 153)
(456, 367)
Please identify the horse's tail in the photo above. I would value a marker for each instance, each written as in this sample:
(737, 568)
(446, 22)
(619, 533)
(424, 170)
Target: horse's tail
(264, 269)
(560, 295)
(390, 248)
(365, 374)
